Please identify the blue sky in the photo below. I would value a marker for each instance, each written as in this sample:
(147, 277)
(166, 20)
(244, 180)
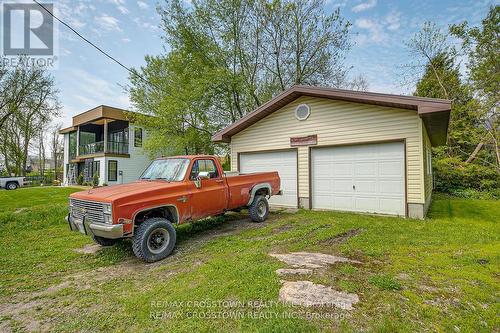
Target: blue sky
(128, 29)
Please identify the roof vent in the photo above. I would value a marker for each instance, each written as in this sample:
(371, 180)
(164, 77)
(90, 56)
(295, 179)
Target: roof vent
(302, 112)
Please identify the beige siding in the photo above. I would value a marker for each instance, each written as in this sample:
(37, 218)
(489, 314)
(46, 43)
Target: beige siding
(337, 122)
(427, 166)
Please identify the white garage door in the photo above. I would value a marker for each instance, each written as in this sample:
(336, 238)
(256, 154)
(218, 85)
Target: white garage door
(360, 178)
(285, 162)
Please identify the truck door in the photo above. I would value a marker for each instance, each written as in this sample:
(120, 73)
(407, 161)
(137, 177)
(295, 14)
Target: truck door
(211, 198)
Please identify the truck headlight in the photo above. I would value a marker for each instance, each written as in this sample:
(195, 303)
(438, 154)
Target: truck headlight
(106, 209)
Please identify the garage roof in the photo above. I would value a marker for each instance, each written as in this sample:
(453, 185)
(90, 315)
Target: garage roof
(434, 112)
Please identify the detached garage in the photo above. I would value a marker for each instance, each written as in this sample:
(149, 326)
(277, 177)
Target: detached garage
(343, 150)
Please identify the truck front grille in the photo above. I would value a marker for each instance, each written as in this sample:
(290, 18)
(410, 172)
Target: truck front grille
(90, 209)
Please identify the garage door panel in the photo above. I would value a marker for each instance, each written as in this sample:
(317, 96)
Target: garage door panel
(390, 168)
(341, 202)
(285, 163)
(391, 187)
(375, 170)
(366, 186)
(366, 204)
(340, 169)
(365, 169)
(342, 186)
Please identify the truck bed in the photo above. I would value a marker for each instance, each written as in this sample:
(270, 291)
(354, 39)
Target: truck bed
(240, 185)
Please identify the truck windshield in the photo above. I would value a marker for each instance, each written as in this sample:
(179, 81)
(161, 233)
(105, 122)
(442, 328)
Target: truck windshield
(170, 169)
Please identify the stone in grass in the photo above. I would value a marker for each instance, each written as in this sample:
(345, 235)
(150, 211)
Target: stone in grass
(293, 271)
(306, 293)
(310, 260)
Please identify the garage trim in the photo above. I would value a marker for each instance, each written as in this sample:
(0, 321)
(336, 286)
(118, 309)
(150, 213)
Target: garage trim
(238, 156)
(403, 140)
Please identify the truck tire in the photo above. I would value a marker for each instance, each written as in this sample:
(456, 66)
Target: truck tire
(259, 209)
(104, 241)
(154, 239)
(11, 186)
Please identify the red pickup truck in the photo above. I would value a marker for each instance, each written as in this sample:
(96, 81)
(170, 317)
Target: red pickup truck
(172, 190)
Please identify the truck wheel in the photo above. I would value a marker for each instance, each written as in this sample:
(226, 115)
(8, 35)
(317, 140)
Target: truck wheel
(104, 241)
(154, 239)
(12, 185)
(259, 209)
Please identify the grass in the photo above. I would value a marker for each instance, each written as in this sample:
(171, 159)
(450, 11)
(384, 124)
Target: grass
(440, 274)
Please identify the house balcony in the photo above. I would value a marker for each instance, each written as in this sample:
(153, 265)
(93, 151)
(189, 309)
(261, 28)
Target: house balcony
(99, 138)
(94, 148)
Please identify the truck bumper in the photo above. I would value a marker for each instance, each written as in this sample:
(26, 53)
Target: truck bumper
(111, 231)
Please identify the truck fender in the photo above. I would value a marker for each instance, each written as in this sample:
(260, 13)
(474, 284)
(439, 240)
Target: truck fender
(258, 187)
(171, 208)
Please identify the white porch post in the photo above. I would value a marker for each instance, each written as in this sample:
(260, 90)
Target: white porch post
(105, 135)
(78, 141)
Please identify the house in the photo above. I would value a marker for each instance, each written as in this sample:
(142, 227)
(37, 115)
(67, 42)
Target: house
(103, 142)
(343, 150)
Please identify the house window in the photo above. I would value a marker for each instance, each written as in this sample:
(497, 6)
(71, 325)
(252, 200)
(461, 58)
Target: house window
(112, 171)
(137, 137)
(96, 166)
(204, 166)
(302, 112)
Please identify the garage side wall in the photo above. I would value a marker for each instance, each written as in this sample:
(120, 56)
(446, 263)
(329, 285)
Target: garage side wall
(427, 169)
(337, 123)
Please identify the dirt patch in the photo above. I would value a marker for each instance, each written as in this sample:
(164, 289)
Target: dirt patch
(89, 249)
(310, 260)
(308, 294)
(293, 271)
(343, 237)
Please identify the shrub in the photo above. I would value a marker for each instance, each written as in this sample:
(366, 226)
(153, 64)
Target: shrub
(95, 180)
(452, 175)
(79, 179)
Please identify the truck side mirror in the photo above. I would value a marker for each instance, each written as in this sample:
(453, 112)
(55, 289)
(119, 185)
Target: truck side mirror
(204, 175)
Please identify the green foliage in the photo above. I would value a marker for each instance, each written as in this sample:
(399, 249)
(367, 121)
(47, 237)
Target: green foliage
(452, 174)
(79, 179)
(95, 180)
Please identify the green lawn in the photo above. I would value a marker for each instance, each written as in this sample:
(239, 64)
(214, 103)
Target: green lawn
(441, 274)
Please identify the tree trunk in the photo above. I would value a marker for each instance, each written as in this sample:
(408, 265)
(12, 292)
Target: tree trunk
(475, 152)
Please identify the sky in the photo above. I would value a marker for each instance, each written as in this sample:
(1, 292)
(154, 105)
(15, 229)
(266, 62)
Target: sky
(129, 30)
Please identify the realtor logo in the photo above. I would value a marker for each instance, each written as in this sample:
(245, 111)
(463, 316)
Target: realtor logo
(28, 29)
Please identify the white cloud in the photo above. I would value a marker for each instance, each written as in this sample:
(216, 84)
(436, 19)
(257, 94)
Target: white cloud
(364, 6)
(393, 20)
(117, 2)
(108, 22)
(375, 31)
(123, 10)
(95, 91)
(142, 5)
(145, 25)
(126, 40)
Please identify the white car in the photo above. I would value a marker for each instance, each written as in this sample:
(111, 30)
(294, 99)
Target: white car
(12, 183)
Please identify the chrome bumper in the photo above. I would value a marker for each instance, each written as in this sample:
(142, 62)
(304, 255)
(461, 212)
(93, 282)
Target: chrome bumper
(86, 227)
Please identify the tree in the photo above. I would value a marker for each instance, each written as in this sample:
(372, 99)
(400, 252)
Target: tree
(465, 124)
(482, 47)
(56, 146)
(228, 57)
(24, 115)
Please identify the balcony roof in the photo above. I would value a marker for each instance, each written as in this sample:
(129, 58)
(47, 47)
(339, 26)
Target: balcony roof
(98, 113)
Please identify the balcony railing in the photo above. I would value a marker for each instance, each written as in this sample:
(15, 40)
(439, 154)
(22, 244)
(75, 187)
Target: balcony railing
(98, 147)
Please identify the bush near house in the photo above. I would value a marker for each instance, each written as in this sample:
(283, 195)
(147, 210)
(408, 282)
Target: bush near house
(454, 176)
